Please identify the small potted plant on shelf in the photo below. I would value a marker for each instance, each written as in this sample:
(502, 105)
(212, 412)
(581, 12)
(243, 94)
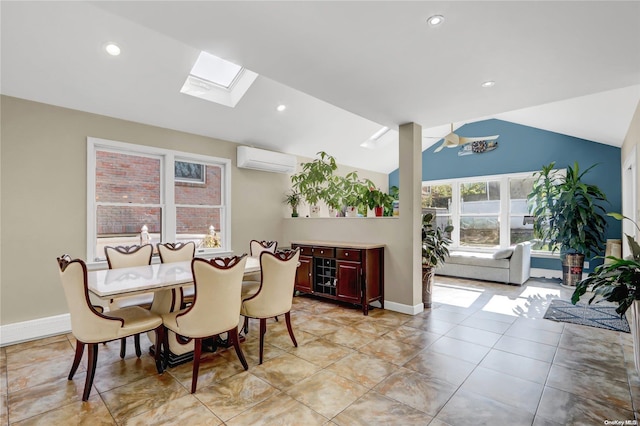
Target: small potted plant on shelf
(293, 200)
(378, 201)
(333, 196)
(568, 215)
(354, 193)
(312, 180)
(435, 251)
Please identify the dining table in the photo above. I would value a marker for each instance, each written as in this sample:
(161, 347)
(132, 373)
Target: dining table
(160, 279)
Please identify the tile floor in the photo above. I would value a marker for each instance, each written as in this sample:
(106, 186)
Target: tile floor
(482, 355)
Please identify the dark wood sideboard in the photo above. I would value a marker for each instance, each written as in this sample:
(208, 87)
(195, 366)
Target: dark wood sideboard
(347, 272)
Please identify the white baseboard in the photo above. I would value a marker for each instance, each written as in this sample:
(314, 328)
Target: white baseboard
(34, 329)
(403, 309)
(545, 273)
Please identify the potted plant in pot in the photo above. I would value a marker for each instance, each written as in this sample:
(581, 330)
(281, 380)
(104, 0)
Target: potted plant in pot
(293, 200)
(568, 215)
(378, 201)
(313, 179)
(435, 251)
(353, 193)
(618, 281)
(333, 196)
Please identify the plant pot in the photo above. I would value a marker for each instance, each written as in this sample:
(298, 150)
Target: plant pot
(294, 214)
(333, 212)
(572, 266)
(314, 211)
(379, 210)
(634, 325)
(351, 211)
(427, 285)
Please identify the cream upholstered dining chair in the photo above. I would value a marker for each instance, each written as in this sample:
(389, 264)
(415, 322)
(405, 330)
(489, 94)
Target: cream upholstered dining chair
(215, 308)
(126, 257)
(91, 327)
(251, 282)
(179, 252)
(275, 294)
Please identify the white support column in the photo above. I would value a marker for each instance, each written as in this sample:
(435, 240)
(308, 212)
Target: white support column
(410, 161)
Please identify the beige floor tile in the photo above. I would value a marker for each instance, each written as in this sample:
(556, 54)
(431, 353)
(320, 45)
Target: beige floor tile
(213, 367)
(376, 409)
(570, 409)
(284, 371)
(92, 412)
(54, 369)
(321, 352)
(526, 348)
(595, 385)
(391, 350)
(465, 351)
(327, 393)
(142, 396)
(468, 408)
(486, 324)
(413, 336)
(41, 398)
(367, 370)
(441, 367)
(31, 355)
(351, 337)
(474, 335)
(417, 390)
(183, 411)
(281, 410)
(231, 396)
(517, 365)
(518, 393)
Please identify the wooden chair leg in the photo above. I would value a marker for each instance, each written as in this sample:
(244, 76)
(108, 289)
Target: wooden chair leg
(77, 359)
(123, 347)
(233, 336)
(197, 351)
(263, 330)
(160, 338)
(91, 370)
(246, 325)
(136, 340)
(287, 318)
(276, 318)
(165, 343)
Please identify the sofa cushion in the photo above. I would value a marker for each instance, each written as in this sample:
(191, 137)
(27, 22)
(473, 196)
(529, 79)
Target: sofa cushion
(503, 254)
(477, 259)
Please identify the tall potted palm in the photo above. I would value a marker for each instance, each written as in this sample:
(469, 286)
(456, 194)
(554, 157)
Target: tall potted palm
(435, 251)
(569, 216)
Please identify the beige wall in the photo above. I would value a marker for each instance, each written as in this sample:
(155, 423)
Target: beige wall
(631, 141)
(43, 196)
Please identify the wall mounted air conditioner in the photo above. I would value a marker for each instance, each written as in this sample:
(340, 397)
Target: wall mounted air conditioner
(267, 161)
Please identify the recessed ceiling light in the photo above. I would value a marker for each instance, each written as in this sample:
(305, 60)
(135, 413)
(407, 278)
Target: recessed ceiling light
(435, 20)
(489, 83)
(112, 49)
(281, 108)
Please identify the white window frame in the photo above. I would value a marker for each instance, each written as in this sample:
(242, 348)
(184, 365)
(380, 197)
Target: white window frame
(504, 215)
(167, 192)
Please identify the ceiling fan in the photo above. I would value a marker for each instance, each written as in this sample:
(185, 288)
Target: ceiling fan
(453, 140)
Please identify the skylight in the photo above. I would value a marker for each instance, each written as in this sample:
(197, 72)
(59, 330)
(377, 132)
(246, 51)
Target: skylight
(217, 80)
(216, 70)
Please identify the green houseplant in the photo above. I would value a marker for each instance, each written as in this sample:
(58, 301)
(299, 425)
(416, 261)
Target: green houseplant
(568, 215)
(617, 280)
(378, 201)
(435, 251)
(311, 182)
(354, 193)
(293, 200)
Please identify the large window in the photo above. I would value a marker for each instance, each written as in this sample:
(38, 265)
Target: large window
(487, 213)
(144, 194)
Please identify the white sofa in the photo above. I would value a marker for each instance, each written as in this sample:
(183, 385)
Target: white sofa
(509, 266)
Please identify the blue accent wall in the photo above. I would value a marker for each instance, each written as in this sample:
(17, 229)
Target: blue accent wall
(527, 149)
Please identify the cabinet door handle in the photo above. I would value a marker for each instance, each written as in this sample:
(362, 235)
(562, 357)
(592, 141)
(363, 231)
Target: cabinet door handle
(321, 251)
(346, 254)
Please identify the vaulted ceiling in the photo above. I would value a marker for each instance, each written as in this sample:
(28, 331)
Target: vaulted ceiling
(344, 69)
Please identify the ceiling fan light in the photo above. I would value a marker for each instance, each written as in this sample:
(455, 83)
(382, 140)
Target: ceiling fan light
(488, 83)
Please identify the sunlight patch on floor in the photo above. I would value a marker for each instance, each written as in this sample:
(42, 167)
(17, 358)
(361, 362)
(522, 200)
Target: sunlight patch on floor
(463, 297)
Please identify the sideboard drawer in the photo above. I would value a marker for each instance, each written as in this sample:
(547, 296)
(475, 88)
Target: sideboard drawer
(324, 252)
(348, 254)
(305, 250)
